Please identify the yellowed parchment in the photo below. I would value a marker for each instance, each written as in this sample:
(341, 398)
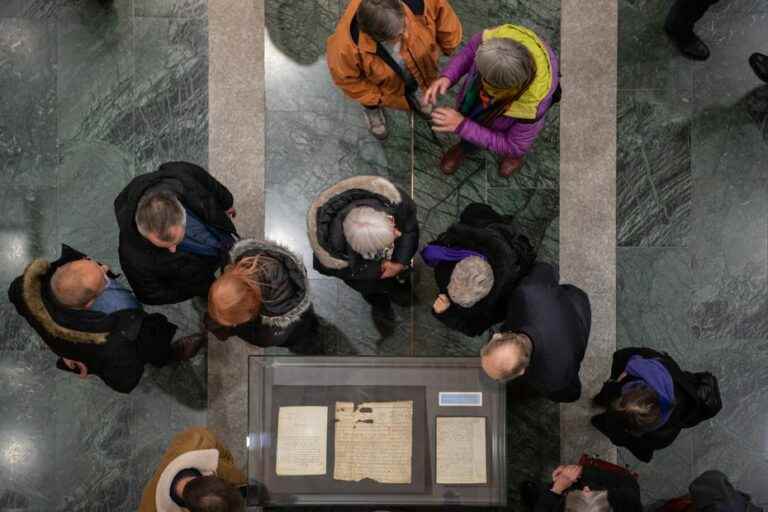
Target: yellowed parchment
(374, 441)
(302, 440)
(461, 450)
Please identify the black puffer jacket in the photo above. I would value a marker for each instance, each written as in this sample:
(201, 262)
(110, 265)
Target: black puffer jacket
(509, 253)
(325, 218)
(285, 321)
(157, 275)
(689, 410)
(107, 344)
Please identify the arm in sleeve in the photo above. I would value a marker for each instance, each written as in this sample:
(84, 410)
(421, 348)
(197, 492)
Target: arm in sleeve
(408, 243)
(549, 502)
(149, 288)
(462, 62)
(449, 30)
(222, 193)
(227, 469)
(614, 431)
(570, 394)
(542, 273)
(348, 77)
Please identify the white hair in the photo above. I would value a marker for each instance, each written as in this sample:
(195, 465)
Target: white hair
(595, 501)
(157, 212)
(368, 231)
(504, 63)
(471, 280)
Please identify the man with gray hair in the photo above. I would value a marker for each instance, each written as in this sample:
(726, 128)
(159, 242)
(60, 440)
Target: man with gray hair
(175, 231)
(544, 338)
(364, 230)
(384, 53)
(511, 79)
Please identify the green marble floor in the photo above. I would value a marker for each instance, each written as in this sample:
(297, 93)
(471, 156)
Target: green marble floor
(315, 137)
(93, 93)
(693, 229)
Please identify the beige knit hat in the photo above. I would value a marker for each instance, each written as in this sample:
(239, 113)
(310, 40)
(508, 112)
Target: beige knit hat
(471, 281)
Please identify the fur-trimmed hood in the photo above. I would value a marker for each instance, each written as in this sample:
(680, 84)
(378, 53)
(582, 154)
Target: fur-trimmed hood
(341, 194)
(34, 281)
(296, 272)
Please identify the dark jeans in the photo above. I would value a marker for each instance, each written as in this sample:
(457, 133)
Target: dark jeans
(684, 15)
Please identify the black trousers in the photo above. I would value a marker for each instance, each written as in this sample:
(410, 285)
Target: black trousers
(684, 15)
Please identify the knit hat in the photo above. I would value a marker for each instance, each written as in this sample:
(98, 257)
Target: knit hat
(471, 281)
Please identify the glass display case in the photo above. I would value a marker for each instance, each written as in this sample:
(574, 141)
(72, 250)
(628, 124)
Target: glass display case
(375, 431)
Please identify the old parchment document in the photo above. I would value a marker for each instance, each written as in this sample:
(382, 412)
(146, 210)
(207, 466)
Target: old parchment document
(461, 450)
(301, 440)
(374, 441)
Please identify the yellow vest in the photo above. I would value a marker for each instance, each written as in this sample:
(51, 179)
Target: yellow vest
(527, 106)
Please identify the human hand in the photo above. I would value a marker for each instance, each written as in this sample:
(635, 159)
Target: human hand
(81, 369)
(442, 303)
(446, 119)
(390, 269)
(437, 88)
(565, 476)
(232, 212)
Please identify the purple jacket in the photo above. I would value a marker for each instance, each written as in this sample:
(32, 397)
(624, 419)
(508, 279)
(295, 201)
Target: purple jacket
(506, 136)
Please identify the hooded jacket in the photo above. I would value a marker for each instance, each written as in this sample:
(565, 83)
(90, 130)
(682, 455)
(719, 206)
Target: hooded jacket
(689, 409)
(157, 275)
(509, 253)
(430, 25)
(109, 345)
(325, 218)
(282, 319)
(194, 448)
(513, 133)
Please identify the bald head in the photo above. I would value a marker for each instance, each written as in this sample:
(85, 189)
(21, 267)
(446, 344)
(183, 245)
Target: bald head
(77, 284)
(506, 356)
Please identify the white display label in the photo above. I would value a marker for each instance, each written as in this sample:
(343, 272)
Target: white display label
(460, 399)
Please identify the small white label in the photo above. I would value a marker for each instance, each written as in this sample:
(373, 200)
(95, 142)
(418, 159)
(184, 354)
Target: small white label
(459, 399)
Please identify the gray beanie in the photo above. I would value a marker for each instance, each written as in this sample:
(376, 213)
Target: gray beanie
(471, 281)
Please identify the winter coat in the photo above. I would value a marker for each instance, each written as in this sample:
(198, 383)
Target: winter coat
(509, 254)
(513, 133)
(557, 319)
(194, 448)
(712, 492)
(325, 218)
(689, 409)
(114, 347)
(281, 322)
(157, 275)
(623, 491)
(430, 25)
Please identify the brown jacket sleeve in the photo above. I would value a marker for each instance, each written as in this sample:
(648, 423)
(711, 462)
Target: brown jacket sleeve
(347, 75)
(449, 30)
(228, 469)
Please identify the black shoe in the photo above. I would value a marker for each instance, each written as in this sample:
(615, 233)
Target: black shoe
(187, 347)
(381, 307)
(529, 494)
(759, 63)
(693, 48)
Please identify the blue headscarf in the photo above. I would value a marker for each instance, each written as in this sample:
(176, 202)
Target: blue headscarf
(653, 374)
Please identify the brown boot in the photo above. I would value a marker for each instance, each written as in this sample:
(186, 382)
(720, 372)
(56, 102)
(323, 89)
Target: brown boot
(510, 166)
(185, 348)
(452, 159)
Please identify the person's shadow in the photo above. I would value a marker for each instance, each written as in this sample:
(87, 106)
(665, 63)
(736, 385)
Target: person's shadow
(756, 105)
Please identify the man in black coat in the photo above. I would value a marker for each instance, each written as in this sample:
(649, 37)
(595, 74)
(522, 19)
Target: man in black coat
(175, 231)
(94, 324)
(544, 338)
(468, 301)
(370, 253)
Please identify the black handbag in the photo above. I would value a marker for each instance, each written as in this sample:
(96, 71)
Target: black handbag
(708, 391)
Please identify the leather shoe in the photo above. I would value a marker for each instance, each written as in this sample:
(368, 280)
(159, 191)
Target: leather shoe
(452, 159)
(529, 494)
(509, 166)
(187, 347)
(759, 63)
(693, 48)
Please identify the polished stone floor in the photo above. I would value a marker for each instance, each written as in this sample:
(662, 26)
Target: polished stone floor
(315, 137)
(91, 96)
(693, 229)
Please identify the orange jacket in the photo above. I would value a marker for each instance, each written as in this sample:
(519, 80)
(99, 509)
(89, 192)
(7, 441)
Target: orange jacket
(195, 438)
(366, 78)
